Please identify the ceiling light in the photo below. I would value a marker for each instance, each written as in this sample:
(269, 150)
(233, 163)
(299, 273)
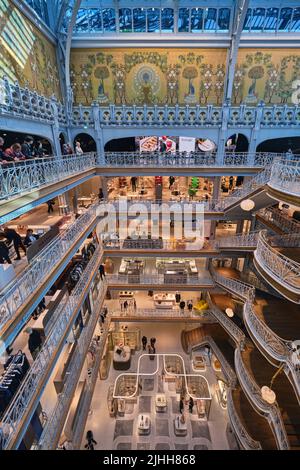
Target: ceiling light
(247, 205)
(268, 395)
(229, 312)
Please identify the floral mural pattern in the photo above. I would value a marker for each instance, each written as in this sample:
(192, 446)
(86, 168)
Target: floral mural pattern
(148, 76)
(269, 76)
(37, 68)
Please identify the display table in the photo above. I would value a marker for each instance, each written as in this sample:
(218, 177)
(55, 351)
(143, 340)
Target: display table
(171, 276)
(161, 402)
(122, 357)
(180, 427)
(144, 424)
(164, 300)
(200, 406)
(199, 362)
(124, 294)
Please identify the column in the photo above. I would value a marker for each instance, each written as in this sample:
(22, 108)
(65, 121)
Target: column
(55, 129)
(213, 225)
(103, 185)
(64, 204)
(98, 133)
(239, 226)
(75, 200)
(255, 133)
(216, 188)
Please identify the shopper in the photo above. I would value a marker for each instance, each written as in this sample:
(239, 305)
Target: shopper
(30, 238)
(40, 152)
(50, 205)
(78, 149)
(34, 342)
(4, 251)
(177, 297)
(12, 236)
(144, 342)
(90, 441)
(152, 342)
(14, 153)
(190, 305)
(134, 305)
(102, 271)
(133, 183)
(181, 405)
(101, 195)
(27, 147)
(125, 305)
(171, 181)
(182, 305)
(191, 405)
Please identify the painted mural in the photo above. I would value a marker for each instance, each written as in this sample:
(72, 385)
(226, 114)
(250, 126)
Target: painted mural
(26, 55)
(270, 75)
(148, 76)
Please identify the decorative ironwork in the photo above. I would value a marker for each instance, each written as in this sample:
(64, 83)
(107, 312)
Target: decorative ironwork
(285, 176)
(276, 217)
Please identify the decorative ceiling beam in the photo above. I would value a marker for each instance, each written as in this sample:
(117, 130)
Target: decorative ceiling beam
(241, 7)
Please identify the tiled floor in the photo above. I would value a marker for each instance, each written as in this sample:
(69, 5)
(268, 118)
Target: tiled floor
(121, 432)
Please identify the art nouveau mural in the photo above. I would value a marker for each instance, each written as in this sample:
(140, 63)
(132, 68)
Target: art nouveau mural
(148, 76)
(26, 54)
(271, 75)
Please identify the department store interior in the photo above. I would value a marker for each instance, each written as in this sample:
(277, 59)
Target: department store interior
(149, 225)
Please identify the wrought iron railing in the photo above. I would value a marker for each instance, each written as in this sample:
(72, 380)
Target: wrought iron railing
(245, 240)
(53, 427)
(271, 412)
(276, 217)
(232, 329)
(20, 404)
(17, 293)
(156, 279)
(23, 177)
(187, 205)
(285, 176)
(283, 269)
(111, 243)
(188, 159)
(244, 438)
(153, 313)
(242, 289)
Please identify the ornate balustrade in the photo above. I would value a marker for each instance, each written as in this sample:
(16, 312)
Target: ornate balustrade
(22, 102)
(188, 159)
(34, 275)
(23, 177)
(242, 289)
(14, 415)
(157, 279)
(244, 240)
(176, 314)
(271, 412)
(111, 243)
(188, 116)
(245, 439)
(279, 219)
(54, 425)
(186, 205)
(232, 329)
(285, 176)
(284, 270)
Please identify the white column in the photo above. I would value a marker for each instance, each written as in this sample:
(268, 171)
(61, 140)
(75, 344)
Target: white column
(216, 187)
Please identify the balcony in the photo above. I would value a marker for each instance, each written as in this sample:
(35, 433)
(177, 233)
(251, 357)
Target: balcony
(158, 282)
(279, 266)
(157, 315)
(279, 222)
(284, 183)
(19, 413)
(22, 296)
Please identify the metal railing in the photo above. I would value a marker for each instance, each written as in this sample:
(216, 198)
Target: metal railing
(20, 404)
(25, 176)
(155, 244)
(271, 412)
(245, 439)
(245, 240)
(285, 176)
(176, 314)
(242, 289)
(232, 329)
(18, 292)
(283, 269)
(53, 427)
(157, 279)
(188, 205)
(276, 217)
(188, 159)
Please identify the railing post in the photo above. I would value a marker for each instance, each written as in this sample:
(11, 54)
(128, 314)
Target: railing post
(98, 133)
(222, 133)
(55, 128)
(255, 133)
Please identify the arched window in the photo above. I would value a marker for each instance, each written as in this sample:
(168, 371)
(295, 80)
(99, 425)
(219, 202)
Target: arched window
(109, 19)
(139, 20)
(95, 20)
(125, 20)
(183, 20)
(271, 20)
(167, 20)
(153, 20)
(196, 20)
(210, 19)
(223, 19)
(285, 19)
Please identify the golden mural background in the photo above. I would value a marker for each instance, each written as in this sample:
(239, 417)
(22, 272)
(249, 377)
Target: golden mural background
(148, 76)
(26, 54)
(270, 75)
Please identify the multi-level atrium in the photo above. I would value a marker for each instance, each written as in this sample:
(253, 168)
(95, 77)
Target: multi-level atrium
(150, 225)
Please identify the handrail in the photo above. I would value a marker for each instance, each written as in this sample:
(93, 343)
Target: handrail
(23, 177)
(177, 314)
(111, 243)
(16, 294)
(14, 415)
(53, 427)
(285, 270)
(244, 290)
(245, 439)
(158, 279)
(285, 176)
(247, 240)
(232, 329)
(271, 412)
(279, 219)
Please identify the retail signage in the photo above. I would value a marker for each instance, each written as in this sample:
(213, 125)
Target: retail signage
(187, 144)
